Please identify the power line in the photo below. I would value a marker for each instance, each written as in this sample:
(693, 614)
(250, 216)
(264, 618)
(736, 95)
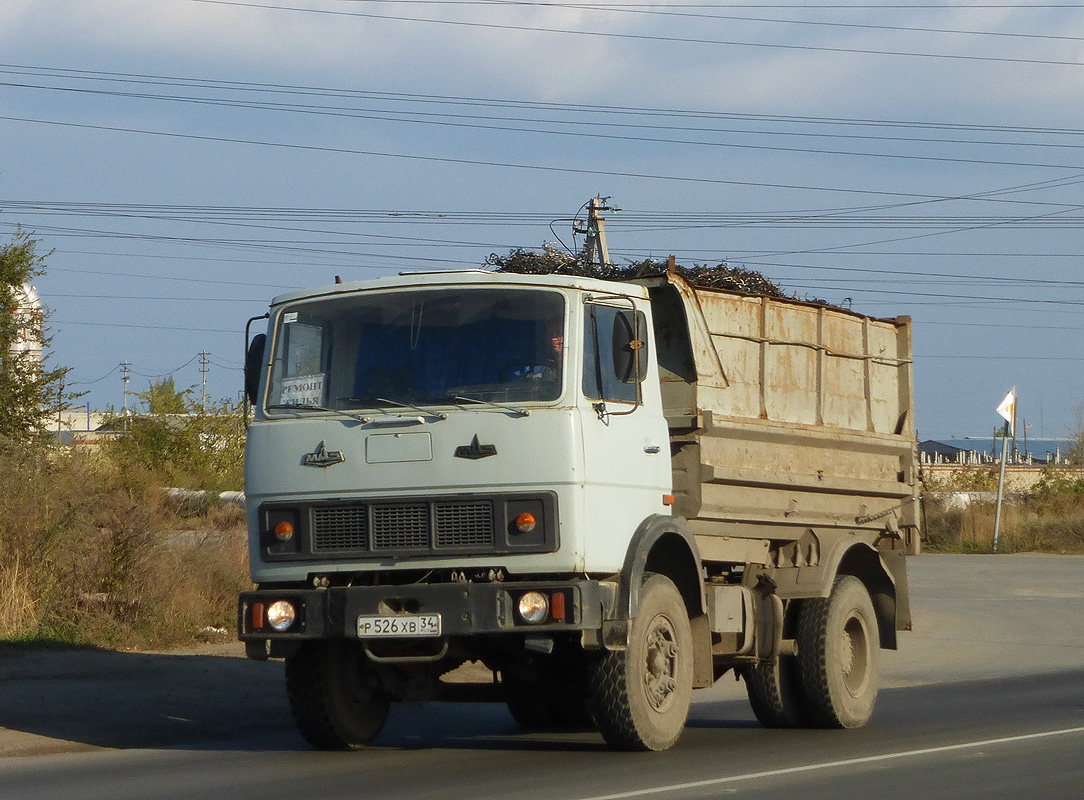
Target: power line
(167, 372)
(654, 10)
(923, 274)
(129, 275)
(645, 37)
(1000, 357)
(97, 380)
(955, 297)
(782, 6)
(630, 221)
(603, 111)
(215, 259)
(999, 326)
(465, 161)
(97, 324)
(260, 244)
(568, 129)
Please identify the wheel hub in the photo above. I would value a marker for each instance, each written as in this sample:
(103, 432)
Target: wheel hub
(853, 657)
(661, 664)
(846, 655)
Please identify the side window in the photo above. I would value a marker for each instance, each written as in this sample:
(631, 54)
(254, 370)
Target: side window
(603, 379)
(300, 365)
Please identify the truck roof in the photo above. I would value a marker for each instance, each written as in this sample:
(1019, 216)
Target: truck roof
(465, 277)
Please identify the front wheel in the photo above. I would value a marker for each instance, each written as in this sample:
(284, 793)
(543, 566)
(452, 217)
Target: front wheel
(335, 698)
(640, 697)
(838, 656)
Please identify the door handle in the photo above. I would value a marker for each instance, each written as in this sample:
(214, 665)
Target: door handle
(652, 449)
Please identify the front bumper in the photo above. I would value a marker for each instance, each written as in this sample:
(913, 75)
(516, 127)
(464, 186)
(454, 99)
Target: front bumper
(466, 609)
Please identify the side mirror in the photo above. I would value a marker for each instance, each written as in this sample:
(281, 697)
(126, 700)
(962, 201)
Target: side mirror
(253, 365)
(630, 351)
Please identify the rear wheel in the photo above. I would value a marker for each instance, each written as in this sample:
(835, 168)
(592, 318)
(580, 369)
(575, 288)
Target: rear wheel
(838, 656)
(640, 697)
(775, 693)
(335, 697)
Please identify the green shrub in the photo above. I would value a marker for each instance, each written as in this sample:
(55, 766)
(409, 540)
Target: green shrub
(201, 449)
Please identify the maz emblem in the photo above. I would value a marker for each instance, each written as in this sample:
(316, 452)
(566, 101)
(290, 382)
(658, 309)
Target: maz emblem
(474, 450)
(323, 457)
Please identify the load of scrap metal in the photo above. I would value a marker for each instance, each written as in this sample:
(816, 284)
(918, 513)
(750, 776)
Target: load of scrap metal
(723, 276)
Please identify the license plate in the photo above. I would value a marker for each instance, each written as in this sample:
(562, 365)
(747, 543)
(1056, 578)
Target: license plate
(398, 625)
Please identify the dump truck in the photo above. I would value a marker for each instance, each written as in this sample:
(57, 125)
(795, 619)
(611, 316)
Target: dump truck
(583, 498)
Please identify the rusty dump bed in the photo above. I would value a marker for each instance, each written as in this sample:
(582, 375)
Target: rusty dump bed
(785, 418)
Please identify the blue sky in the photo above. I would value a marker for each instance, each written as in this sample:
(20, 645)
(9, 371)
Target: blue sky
(186, 160)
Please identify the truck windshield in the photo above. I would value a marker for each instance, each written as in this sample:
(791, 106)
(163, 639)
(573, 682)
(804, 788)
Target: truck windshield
(419, 347)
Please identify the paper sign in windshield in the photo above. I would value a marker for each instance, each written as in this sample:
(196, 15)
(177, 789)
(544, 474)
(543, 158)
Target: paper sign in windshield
(302, 390)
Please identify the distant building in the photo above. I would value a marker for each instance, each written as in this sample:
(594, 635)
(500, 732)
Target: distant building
(934, 452)
(976, 452)
(30, 317)
(82, 427)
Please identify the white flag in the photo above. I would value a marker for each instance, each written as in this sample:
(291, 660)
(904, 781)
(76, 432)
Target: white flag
(1007, 410)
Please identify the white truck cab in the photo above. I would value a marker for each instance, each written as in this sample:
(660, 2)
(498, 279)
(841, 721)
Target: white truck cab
(423, 416)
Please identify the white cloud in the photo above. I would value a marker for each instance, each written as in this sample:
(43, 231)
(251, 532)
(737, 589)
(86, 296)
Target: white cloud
(185, 37)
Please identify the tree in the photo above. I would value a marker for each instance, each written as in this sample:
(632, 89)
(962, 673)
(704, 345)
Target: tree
(162, 397)
(30, 391)
(199, 448)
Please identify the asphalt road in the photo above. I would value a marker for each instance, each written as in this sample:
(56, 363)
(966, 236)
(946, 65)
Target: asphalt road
(985, 699)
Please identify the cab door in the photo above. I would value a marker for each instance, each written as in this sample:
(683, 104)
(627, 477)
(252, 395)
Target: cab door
(625, 438)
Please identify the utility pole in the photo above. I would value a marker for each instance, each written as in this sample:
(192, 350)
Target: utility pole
(126, 366)
(203, 369)
(595, 247)
(1007, 411)
(59, 408)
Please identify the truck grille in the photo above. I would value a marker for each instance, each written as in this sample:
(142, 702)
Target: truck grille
(465, 525)
(340, 528)
(400, 527)
(411, 527)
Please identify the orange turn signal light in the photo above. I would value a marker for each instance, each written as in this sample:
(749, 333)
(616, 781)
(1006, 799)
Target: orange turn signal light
(525, 522)
(557, 606)
(667, 499)
(284, 531)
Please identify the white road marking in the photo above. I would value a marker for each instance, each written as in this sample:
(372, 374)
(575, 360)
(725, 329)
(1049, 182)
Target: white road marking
(848, 762)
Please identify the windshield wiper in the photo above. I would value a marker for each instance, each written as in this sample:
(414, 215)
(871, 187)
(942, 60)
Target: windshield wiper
(427, 411)
(309, 406)
(523, 412)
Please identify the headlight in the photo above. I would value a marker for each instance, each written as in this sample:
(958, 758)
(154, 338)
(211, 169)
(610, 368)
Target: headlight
(533, 607)
(281, 615)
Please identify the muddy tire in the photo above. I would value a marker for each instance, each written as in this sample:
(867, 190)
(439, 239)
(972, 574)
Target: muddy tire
(838, 656)
(775, 693)
(640, 698)
(334, 696)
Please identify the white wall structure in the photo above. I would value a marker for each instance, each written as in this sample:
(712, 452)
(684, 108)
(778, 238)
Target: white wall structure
(31, 322)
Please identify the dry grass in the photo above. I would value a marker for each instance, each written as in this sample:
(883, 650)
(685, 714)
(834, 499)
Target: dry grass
(1029, 525)
(17, 612)
(1048, 519)
(93, 552)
